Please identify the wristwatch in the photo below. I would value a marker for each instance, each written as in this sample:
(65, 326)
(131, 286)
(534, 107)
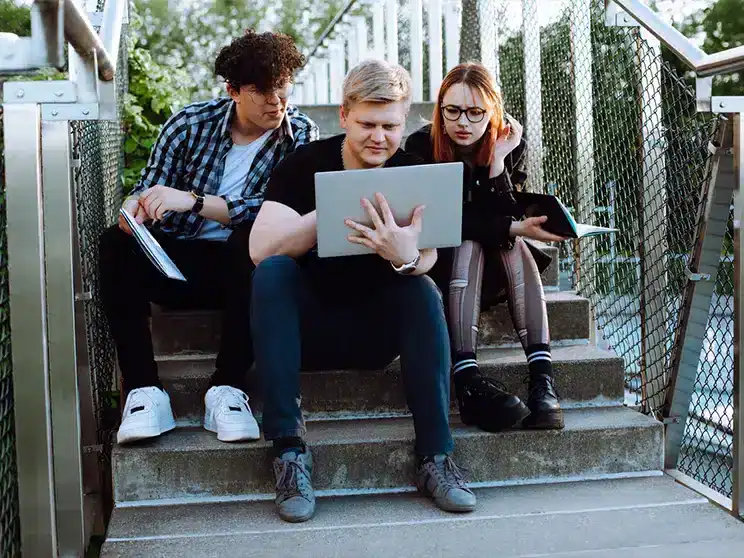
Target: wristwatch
(198, 201)
(407, 268)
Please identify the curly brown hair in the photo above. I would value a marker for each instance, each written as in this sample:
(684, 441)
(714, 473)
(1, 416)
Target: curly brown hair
(264, 60)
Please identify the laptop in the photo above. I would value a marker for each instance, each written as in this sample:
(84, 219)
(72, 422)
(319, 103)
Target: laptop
(338, 197)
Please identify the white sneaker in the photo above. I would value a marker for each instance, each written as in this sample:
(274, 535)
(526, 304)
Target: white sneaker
(147, 414)
(229, 415)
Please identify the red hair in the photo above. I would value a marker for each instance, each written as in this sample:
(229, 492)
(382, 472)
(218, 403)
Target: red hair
(478, 78)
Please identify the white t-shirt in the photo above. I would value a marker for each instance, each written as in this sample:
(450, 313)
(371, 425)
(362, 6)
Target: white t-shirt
(237, 164)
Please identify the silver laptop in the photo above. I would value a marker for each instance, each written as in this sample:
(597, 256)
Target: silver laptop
(338, 195)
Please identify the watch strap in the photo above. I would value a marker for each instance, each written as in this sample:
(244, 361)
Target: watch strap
(198, 201)
(409, 267)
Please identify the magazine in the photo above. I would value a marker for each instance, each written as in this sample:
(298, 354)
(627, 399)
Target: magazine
(560, 221)
(152, 249)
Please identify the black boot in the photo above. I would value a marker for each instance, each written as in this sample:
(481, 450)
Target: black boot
(485, 403)
(545, 411)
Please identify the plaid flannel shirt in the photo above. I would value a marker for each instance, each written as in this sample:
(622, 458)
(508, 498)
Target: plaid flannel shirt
(190, 152)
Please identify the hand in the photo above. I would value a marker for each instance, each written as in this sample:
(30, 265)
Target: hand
(159, 199)
(133, 207)
(508, 141)
(398, 245)
(531, 228)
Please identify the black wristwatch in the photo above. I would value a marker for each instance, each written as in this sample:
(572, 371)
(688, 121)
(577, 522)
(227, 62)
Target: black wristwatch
(198, 201)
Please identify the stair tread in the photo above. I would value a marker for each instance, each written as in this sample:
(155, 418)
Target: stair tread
(550, 297)
(389, 429)
(486, 356)
(655, 510)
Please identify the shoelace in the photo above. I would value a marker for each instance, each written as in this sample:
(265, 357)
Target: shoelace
(450, 474)
(289, 480)
(485, 386)
(540, 389)
(229, 397)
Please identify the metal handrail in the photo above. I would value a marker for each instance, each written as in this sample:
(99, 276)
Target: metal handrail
(329, 28)
(705, 65)
(83, 38)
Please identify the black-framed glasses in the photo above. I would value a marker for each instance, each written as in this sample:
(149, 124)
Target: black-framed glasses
(453, 113)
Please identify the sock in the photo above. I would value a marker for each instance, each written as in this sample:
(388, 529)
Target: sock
(464, 369)
(539, 360)
(290, 443)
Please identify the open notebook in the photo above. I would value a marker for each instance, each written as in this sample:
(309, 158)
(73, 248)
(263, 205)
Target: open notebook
(560, 221)
(152, 249)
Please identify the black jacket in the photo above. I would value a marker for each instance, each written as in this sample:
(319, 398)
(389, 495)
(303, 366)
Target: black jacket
(488, 204)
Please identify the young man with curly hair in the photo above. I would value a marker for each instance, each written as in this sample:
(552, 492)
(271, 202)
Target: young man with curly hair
(201, 190)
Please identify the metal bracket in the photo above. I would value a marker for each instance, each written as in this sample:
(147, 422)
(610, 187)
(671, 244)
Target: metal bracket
(704, 93)
(87, 295)
(62, 91)
(727, 104)
(695, 276)
(69, 111)
(671, 420)
(615, 16)
(93, 449)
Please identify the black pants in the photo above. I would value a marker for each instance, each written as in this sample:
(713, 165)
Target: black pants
(295, 328)
(218, 277)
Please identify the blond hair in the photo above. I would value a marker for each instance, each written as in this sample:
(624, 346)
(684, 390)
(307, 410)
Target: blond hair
(377, 81)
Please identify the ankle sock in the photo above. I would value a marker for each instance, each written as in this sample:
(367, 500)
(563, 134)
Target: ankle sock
(290, 443)
(539, 360)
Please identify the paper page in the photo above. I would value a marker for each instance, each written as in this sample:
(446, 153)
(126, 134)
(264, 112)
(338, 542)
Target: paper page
(152, 249)
(590, 230)
(568, 215)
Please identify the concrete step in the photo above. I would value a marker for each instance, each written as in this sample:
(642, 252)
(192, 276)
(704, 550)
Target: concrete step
(587, 376)
(377, 454)
(176, 332)
(327, 118)
(624, 518)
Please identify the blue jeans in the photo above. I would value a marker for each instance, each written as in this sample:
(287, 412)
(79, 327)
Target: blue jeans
(293, 329)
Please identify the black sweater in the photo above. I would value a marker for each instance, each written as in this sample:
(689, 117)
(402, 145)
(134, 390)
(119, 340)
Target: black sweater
(488, 204)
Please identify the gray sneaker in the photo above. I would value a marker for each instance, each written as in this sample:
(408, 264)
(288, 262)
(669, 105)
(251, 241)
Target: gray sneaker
(439, 478)
(295, 499)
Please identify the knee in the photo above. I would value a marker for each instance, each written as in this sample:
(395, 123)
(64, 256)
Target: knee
(274, 275)
(420, 291)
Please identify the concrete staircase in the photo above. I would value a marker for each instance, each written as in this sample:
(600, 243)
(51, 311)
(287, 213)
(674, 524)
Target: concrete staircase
(188, 495)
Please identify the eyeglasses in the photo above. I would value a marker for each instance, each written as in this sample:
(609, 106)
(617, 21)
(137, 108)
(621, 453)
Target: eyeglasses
(453, 113)
(283, 93)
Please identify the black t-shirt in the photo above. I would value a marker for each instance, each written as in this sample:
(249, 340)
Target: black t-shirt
(293, 184)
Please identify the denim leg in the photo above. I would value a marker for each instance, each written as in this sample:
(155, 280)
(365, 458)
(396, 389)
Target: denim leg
(425, 360)
(279, 290)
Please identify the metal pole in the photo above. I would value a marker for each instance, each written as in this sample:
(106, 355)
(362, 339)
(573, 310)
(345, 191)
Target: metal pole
(581, 60)
(417, 53)
(488, 21)
(738, 422)
(435, 48)
(532, 94)
(391, 30)
(59, 240)
(82, 37)
(378, 29)
(452, 22)
(28, 319)
(654, 224)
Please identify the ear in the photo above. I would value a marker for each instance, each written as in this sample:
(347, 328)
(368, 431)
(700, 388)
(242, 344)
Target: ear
(343, 116)
(233, 92)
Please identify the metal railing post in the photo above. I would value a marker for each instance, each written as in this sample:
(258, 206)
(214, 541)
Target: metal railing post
(435, 47)
(28, 319)
(738, 399)
(417, 49)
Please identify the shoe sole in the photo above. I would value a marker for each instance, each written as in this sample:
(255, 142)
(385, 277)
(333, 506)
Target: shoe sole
(243, 434)
(297, 519)
(135, 435)
(515, 416)
(549, 420)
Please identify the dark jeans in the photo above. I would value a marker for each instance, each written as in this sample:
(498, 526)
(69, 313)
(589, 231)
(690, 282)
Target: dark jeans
(218, 277)
(294, 328)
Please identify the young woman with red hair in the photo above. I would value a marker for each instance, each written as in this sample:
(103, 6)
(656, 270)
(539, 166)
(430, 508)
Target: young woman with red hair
(469, 125)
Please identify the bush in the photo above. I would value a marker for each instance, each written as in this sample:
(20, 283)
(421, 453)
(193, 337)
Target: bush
(155, 92)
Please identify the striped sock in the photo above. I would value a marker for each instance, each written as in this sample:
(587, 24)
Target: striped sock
(465, 366)
(539, 360)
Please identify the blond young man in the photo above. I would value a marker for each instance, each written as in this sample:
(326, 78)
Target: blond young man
(303, 306)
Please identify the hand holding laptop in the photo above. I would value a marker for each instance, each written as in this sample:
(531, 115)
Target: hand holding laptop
(135, 210)
(394, 243)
